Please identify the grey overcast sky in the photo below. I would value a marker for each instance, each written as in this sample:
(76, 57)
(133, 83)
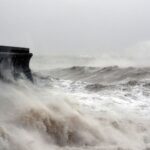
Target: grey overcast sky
(76, 26)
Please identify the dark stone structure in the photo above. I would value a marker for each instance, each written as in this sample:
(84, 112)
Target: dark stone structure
(15, 61)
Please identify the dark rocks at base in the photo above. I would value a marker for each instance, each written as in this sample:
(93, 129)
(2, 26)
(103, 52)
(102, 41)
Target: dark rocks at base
(15, 61)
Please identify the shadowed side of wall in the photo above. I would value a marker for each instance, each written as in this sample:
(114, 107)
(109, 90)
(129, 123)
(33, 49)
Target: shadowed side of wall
(15, 61)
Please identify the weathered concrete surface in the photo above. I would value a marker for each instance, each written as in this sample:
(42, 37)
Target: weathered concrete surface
(15, 61)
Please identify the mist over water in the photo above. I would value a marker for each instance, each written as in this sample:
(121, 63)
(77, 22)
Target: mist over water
(96, 94)
(75, 104)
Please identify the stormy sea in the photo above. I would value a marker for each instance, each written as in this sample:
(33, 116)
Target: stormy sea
(77, 103)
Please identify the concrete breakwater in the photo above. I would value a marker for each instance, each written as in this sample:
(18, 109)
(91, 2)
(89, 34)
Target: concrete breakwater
(14, 61)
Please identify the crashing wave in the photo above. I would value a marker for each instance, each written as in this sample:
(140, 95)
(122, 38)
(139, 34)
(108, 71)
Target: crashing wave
(101, 75)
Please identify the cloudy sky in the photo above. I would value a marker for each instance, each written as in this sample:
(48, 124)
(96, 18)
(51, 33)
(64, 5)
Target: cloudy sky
(76, 26)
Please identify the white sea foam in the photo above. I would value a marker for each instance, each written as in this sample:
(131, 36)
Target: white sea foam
(67, 114)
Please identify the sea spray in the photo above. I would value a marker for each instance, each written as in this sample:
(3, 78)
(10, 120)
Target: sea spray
(54, 116)
(26, 108)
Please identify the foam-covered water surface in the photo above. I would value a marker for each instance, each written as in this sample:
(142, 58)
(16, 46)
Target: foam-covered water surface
(77, 108)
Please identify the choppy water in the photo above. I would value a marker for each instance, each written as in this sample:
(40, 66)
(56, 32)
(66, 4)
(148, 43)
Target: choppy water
(76, 107)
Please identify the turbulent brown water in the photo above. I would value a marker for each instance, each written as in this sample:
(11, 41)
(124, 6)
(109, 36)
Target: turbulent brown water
(76, 108)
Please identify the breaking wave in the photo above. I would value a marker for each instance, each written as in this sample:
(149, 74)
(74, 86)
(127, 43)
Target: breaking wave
(102, 75)
(77, 108)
